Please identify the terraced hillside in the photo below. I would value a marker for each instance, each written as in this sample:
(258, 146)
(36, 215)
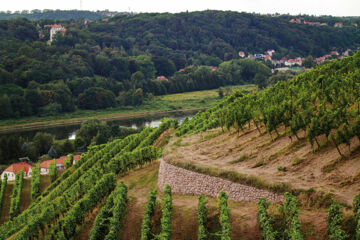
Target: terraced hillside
(296, 143)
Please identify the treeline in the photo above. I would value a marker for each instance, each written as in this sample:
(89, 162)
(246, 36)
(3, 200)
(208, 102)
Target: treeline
(91, 132)
(118, 62)
(202, 37)
(38, 14)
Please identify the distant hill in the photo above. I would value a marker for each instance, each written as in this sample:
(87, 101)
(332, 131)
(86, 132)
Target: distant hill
(58, 15)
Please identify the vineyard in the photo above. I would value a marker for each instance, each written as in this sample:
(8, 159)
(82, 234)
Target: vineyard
(111, 192)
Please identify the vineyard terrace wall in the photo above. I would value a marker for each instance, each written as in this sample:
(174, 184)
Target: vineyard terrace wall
(183, 181)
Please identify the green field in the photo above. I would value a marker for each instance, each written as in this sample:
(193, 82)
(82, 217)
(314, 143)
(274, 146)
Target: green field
(159, 104)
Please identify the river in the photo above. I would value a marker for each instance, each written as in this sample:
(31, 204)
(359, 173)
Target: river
(69, 131)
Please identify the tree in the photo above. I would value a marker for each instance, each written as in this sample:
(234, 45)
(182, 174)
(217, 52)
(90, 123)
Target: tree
(6, 108)
(52, 152)
(309, 62)
(43, 142)
(90, 129)
(96, 98)
(164, 66)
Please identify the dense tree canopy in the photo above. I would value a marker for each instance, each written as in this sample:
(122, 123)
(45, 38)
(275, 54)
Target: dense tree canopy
(117, 62)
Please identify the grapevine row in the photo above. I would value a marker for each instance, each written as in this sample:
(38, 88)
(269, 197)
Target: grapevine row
(2, 190)
(357, 215)
(290, 210)
(267, 231)
(52, 170)
(166, 215)
(118, 213)
(323, 101)
(8, 228)
(335, 222)
(202, 218)
(80, 179)
(16, 195)
(35, 182)
(224, 216)
(57, 188)
(101, 223)
(149, 213)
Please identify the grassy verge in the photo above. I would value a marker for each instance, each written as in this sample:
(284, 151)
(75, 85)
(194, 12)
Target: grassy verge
(159, 104)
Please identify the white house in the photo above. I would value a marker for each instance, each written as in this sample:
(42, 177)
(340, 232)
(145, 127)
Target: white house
(55, 28)
(15, 168)
(60, 165)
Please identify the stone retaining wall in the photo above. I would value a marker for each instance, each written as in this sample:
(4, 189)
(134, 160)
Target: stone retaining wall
(183, 181)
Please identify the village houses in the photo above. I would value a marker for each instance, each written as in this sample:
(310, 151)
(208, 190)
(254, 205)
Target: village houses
(15, 168)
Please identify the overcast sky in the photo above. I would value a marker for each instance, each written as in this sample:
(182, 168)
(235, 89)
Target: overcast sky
(311, 7)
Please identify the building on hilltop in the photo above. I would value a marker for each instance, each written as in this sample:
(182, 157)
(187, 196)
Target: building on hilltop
(339, 24)
(15, 168)
(54, 29)
(162, 78)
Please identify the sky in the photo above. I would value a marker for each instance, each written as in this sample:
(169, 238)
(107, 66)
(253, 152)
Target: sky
(310, 7)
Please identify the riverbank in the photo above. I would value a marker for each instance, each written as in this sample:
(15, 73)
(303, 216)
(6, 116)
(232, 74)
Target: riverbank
(78, 121)
(171, 103)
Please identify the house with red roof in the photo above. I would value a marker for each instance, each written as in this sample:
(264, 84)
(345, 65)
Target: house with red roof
(60, 164)
(15, 168)
(339, 24)
(162, 78)
(55, 28)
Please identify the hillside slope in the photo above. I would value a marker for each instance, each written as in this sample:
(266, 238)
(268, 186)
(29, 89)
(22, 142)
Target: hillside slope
(304, 132)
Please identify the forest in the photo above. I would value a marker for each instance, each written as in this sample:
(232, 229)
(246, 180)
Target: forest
(104, 64)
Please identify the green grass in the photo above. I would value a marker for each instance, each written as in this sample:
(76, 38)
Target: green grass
(332, 165)
(297, 161)
(170, 102)
(242, 158)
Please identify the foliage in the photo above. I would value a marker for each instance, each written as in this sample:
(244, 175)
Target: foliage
(97, 63)
(202, 218)
(108, 221)
(166, 215)
(357, 215)
(322, 101)
(71, 194)
(37, 14)
(35, 182)
(75, 214)
(224, 216)
(43, 142)
(52, 170)
(16, 195)
(149, 212)
(292, 223)
(118, 213)
(335, 221)
(267, 231)
(2, 190)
